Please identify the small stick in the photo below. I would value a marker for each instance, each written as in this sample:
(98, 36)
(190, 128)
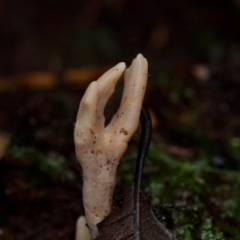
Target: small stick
(146, 134)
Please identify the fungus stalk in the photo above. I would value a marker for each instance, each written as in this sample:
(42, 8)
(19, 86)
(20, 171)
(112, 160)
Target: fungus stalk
(99, 148)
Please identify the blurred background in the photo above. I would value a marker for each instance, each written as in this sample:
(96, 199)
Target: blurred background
(51, 50)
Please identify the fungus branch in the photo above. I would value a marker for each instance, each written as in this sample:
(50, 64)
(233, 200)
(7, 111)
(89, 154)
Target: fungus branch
(98, 148)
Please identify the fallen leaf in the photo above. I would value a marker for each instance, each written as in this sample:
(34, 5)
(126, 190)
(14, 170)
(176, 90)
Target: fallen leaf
(121, 222)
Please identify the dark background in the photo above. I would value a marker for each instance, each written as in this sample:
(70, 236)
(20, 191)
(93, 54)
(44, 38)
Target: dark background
(36, 34)
(51, 50)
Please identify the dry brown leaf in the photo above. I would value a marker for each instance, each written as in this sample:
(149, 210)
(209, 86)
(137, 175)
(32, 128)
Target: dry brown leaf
(121, 224)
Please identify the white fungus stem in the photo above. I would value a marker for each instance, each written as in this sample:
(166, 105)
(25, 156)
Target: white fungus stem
(99, 148)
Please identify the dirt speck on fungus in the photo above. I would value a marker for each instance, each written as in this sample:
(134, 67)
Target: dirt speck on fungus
(124, 131)
(124, 101)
